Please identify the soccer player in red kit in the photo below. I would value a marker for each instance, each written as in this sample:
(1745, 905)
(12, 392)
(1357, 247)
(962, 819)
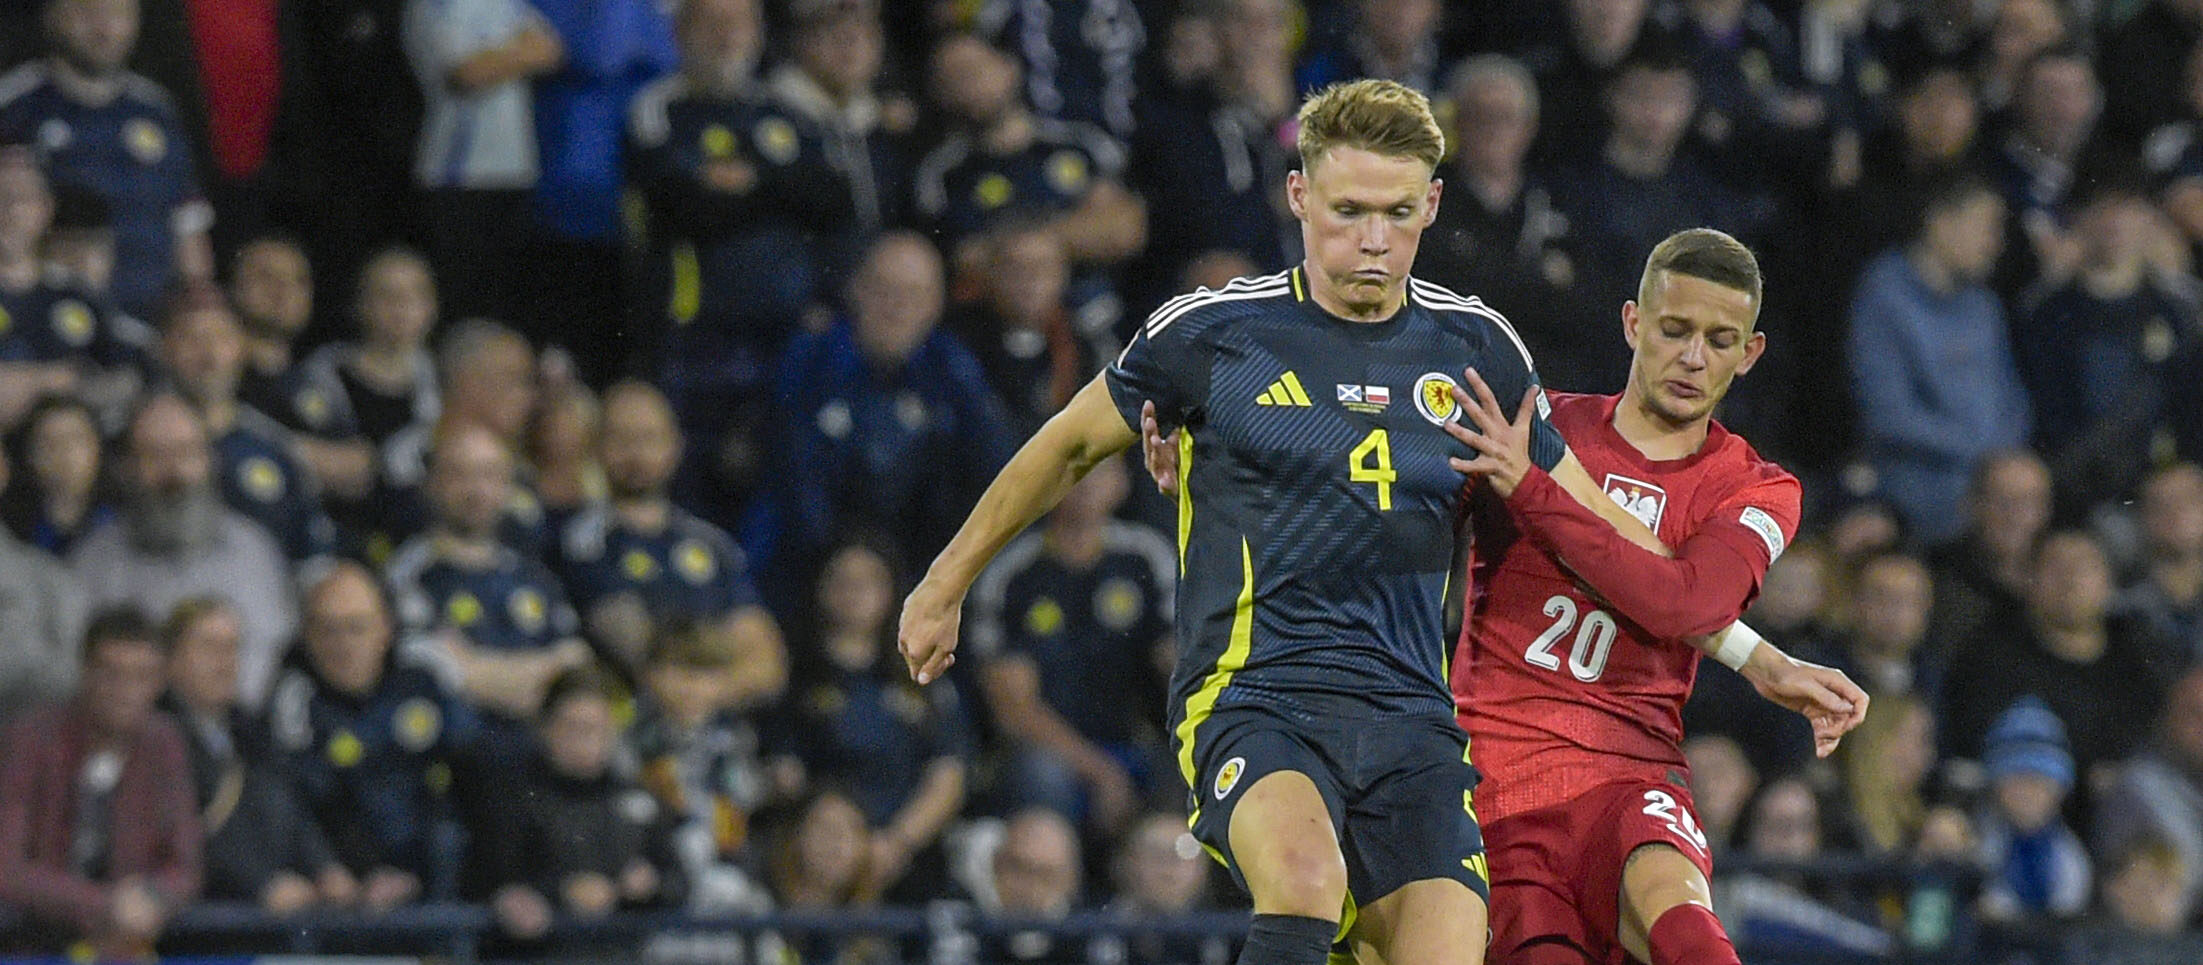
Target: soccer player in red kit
(1580, 646)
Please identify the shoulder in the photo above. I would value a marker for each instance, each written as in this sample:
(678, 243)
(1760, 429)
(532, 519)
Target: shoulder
(1082, 136)
(1469, 311)
(1151, 547)
(148, 94)
(583, 540)
(409, 562)
(1014, 560)
(252, 543)
(16, 84)
(650, 114)
(689, 526)
(1197, 311)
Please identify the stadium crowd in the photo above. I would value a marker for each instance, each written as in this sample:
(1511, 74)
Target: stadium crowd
(475, 449)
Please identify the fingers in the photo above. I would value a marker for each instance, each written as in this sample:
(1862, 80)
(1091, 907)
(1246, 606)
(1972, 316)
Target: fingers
(1528, 406)
(938, 665)
(1485, 400)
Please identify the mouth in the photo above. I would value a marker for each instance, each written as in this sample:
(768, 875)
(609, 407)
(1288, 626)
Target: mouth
(1684, 390)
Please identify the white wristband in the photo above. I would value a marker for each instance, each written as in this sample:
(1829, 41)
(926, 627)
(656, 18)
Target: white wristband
(1737, 644)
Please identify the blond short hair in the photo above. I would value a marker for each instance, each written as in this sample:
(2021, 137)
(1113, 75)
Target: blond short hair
(1378, 116)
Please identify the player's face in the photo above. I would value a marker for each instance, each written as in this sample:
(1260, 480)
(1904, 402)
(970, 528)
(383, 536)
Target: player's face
(1692, 337)
(1362, 216)
(472, 482)
(274, 289)
(95, 36)
(641, 445)
(26, 208)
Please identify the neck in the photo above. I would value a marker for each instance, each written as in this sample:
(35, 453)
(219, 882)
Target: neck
(1008, 134)
(86, 89)
(2074, 644)
(1655, 435)
(66, 509)
(18, 270)
(469, 550)
(1076, 543)
(1319, 288)
(648, 512)
(2179, 575)
(1933, 272)
(851, 648)
(268, 354)
(1642, 162)
(2114, 280)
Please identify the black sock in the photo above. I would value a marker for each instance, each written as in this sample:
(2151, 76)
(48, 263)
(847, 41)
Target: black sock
(1288, 940)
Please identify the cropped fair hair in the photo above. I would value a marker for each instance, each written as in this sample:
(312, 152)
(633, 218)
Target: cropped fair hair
(1378, 116)
(1703, 253)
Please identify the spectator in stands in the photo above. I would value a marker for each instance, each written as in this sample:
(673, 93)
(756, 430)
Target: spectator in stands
(2169, 595)
(271, 286)
(99, 841)
(1887, 766)
(1082, 57)
(175, 539)
(61, 495)
(203, 350)
(61, 337)
(489, 617)
(1984, 575)
(2036, 863)
(639, 561)
(1887, 649)
(2103, 676)
(373, 743)
(2041, 163)
(79, 248)
(1935, 135)
(818, 863)
(1792, 598)
(1641, 186)
(1211, 162)
(1776, 911)
(261, 845)
(2019, 31)
(1575, 69)
(888, 421)
(562, 449)
(1931, 364)
(578, 835)
(1036, 874)
(1159, 870)
(2098, 351)
(1722, 783)
(833, 80)
(1022, 330)
(103, 128)
(388, 376)
(2159, 794)
(1764, 121)
(486, 376)
(743, 201)
(1499, 234)
(854, 719)
(476, 159)
(41, 624)
(1000, 161)
(1071, 626)
(1394, 40)
(612, 50)
(2173, 152)
(2145, 914)
(701, 762)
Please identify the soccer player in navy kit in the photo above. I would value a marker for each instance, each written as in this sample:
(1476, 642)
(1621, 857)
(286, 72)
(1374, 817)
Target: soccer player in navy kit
(1315, 536)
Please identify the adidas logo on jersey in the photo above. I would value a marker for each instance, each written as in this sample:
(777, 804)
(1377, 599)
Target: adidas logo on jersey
(1285, 391)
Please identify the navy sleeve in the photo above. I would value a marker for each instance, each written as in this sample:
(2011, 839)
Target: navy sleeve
(1167, 363)
(1510, 373)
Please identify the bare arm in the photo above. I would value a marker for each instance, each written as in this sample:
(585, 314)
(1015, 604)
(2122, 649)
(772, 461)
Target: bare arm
(1087, 431)
(1109, 226)
(507, 681)
(760, 668)
(345, 468)
(1012, 687)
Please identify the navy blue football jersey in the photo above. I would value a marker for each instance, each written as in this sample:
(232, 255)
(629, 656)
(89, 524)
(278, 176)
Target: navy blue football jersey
(1317, 511)
(513, 604)
(262, 480)
(56, 323)
(691, 570)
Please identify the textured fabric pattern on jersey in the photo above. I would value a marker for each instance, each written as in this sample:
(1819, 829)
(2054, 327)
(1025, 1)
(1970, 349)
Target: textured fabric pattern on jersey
(1558, 692)
(1317, 521)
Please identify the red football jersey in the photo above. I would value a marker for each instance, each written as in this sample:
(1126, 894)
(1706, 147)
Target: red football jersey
(1560, 693)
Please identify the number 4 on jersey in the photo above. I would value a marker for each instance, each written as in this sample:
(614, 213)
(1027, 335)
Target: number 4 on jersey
(1382, 474)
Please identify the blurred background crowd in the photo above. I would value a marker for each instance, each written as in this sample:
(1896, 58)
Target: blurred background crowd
(474, 449)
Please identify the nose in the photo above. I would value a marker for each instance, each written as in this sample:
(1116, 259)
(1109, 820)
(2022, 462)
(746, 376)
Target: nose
(1694, 354)
(1376, 235)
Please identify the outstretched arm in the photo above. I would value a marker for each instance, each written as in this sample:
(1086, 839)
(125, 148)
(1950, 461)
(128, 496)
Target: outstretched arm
(1087, 431)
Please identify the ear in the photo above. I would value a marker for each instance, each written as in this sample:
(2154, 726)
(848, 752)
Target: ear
(1754, 347)
(1296, 193)
(1430, 202)
(1629, 323)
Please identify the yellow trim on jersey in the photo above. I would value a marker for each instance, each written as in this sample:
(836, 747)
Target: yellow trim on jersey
(1185, 496)
(1234, 657)
(687, 296)
(1292, 384)
(1299, 294)
(1285, 391)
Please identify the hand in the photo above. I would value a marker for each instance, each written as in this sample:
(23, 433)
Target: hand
(731, 175)
(927, 636)
(135, 911)
(1503, 447)
(1159, 451)
(286, 892)
(589, 895)
(887, 859)
(639, 882)
(1828, 699)
(522, 911)
(388, 888)
(337, 885)
(622, 623)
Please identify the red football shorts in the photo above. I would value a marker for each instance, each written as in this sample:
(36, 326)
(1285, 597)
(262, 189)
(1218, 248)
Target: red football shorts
(1557, 871)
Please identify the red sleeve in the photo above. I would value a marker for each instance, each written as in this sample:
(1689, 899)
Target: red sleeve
(178, 874)
(47, 892)
(1704, 587)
